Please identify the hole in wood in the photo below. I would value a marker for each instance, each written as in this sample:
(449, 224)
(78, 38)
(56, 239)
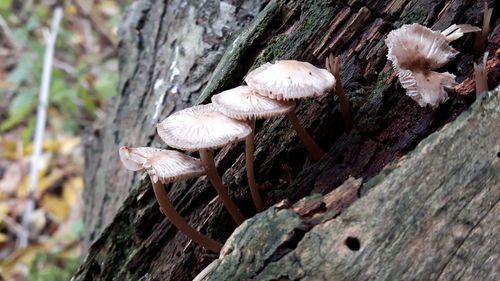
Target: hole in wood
(498, 154)
(353, 243)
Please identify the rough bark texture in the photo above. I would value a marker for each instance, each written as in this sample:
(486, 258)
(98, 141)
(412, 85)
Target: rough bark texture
(433, 215)
(168, 53)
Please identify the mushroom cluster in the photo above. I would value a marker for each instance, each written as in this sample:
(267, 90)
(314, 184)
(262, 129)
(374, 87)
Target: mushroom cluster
(271, 91)
(415, 51)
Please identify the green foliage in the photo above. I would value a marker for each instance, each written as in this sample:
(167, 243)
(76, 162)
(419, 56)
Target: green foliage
(106, 84)
(19, 108)
(75, 94)
(23, 70)
(4, 7)
(50, 267)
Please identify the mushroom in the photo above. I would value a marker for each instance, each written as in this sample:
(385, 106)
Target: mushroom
(414, 51)
(481, 75)
(202, 128)
(333, 65)
(453, 32)
(243, 103)
(167, 166)
(481, 40)
(290, 79)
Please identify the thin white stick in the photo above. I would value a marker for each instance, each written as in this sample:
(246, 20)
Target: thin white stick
(41, 117)
(207, 270)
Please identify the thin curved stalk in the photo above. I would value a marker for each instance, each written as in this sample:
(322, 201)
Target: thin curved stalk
(212, 174)
(481, 40)
(333, 65)
(481, 75)
(169, 211)
(249, 149)
(313, 148)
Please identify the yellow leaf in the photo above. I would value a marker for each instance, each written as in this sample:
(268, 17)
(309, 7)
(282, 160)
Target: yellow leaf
(110, 8)
(4, 210)
(43, 166)
(63, 145)
(55, 205)
(10, 180)
(22, 191)
(68, 145)
(49, 180)
(72, 189)
(71, 9)
(3, 238)
(38, 219)
(23, 187)
(10, 150)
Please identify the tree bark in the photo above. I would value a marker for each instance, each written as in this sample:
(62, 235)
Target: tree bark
(171, 57)
(433, 215)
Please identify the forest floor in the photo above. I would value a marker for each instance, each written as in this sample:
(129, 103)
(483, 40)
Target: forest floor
(85, 75)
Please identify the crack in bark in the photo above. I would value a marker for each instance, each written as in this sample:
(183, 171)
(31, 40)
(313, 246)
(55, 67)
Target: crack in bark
(464, 240)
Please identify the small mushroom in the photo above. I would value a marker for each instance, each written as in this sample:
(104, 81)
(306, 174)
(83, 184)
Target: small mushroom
(333, 65)
(455, 32)
(288, 80)
(481, 76)
(414, 51)
(202, 128)
(481, 40)
(167, 166)
(243, 103)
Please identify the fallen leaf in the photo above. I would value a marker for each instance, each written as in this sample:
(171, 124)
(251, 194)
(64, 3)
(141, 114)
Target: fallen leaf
(72, 190)
(10, 180)
(55, 205)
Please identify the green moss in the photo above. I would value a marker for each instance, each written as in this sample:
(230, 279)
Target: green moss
(413, 14)
(279, 38)
(309, 101)
(309, 24)
(381, 80)
(375, 181)
(48, 266)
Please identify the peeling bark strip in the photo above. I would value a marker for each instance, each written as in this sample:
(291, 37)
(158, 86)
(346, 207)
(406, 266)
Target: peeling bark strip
(434, 217)
(168, 53)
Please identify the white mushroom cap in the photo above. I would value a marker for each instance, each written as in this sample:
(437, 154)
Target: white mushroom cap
(164, 165)
(201, 127)
(414, 51)
(170, 166)
(454, 32)
(416, 47)
(290, 79)
(134, 158)
(427, 88)
(244, 103)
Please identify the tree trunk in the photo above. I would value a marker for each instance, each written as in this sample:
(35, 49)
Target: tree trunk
(434, 215)
(168, 56)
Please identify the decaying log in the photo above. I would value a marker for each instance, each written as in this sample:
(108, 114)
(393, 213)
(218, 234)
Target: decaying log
(433, 215)
(174, 54)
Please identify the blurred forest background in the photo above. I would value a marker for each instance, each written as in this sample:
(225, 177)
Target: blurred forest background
(84, 77)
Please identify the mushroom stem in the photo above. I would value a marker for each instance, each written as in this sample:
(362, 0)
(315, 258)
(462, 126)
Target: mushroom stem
(249, 149)
(481, 76)
(309, 143)
(212, 174)
(333, 65)
(481, 40)
(169, 211)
